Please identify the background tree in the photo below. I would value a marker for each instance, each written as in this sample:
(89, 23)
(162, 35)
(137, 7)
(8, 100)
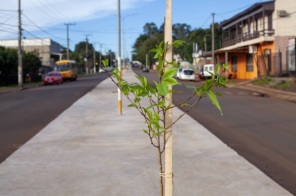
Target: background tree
(181, 31)
(31, 63)
(150, 29)
(8, 66)
(8, 60)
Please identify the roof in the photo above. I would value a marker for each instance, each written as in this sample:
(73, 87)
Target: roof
(28, 42)
(257, 7)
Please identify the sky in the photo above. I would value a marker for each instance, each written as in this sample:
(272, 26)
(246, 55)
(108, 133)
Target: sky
(97, 20)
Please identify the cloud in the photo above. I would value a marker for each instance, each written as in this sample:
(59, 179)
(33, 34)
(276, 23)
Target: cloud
(44, 13)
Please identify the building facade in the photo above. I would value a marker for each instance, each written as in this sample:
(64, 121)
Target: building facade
(47, 50)
(256, 41)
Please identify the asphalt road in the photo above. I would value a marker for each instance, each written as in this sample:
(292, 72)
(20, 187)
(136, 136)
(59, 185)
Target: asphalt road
(24, 113)
(260, 129)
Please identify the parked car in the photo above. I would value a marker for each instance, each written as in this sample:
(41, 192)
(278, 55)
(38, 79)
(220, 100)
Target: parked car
(179, 73)
(101, 70)
(206, 71)
(186, 74)
(53, 77)
(145, 69)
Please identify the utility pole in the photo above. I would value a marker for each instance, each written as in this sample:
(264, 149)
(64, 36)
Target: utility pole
(168, 154)
(100, 61)
(86, 53)
(213, 40)
(20, 57)
(95, 69)
(119, 58)
(68, 40)
(205, 43)
(147, 63)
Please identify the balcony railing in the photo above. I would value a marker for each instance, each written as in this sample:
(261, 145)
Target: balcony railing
(227, 41)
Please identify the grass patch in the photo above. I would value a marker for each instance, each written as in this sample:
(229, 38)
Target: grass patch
(282, 84)
(263, 81)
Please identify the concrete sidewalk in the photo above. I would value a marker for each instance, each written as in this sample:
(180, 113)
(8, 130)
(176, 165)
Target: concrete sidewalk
(92, 150)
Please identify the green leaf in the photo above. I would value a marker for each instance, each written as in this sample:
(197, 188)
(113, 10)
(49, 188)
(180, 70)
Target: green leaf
(178, 43)
(161, 103)
(212, 96)
(217, 69)
(170, 81)
(143, 80)
(145, 131)
(131, 105)
(221, 81)
(152, 90)
(136, 100)
(169, 73)
(160, 67)
(105, 62)
(162, 89)
(156, 134)
(148, 112)
(186, 104)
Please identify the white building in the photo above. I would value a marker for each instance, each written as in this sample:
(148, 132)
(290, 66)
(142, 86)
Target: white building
(48, 50)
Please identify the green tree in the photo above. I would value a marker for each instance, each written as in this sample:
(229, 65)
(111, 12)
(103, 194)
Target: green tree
(151, 37)
(80, 48)
(181, 31)
(31, 63)
(8, 66)
(8, 61)
(150, 29)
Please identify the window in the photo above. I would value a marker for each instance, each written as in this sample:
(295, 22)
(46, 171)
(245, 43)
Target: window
(249, 66)
(188, 72)
(234, 64)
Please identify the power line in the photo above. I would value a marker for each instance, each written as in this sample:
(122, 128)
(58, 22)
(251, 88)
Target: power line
(246, 6)
(56, 10)
(8, 25)
(205, 21)
(8, 31)
(41, 28)
(45, 11)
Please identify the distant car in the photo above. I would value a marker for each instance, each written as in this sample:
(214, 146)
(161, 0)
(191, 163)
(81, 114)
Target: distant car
(101, 70)
(187, 74)
(206, 71)
(145, 69)
(53, 77)
(179, 73)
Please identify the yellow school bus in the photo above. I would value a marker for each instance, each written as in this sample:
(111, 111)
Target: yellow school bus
(67, 68)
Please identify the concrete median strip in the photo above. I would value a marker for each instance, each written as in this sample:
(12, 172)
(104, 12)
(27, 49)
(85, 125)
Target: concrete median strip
(90, 149)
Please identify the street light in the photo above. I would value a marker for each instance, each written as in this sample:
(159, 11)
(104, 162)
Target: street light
(124, 40)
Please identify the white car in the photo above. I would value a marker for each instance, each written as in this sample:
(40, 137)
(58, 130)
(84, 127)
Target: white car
(186, 74)
(179, 73)
(206, 72)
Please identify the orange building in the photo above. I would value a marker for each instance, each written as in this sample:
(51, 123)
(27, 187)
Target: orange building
(254, 43)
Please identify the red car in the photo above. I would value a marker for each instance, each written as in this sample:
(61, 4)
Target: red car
(53, 77)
